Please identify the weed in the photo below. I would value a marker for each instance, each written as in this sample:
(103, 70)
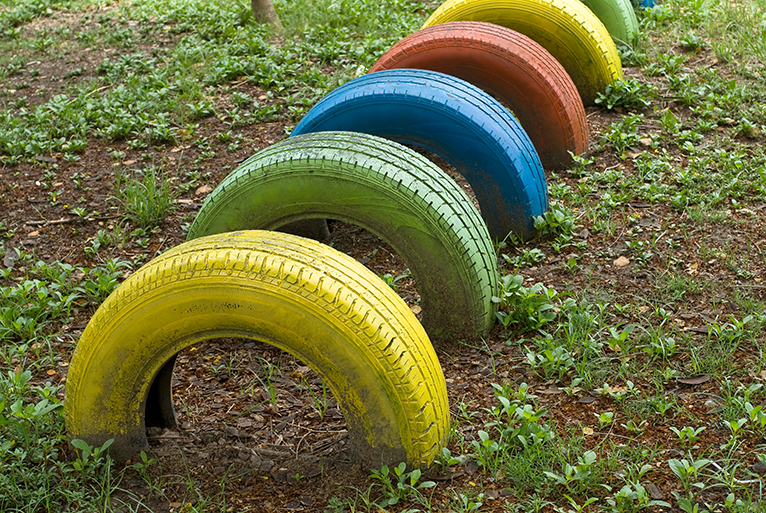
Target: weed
(687, 472)
(557, 222)
(146, 199)
(552, 362)
(526, 258)
(576, 478)
(400, 486)
(527, 308)
(630, 94)
(624, 134)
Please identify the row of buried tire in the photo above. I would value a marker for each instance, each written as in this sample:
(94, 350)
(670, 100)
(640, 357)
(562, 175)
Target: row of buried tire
(443, 89)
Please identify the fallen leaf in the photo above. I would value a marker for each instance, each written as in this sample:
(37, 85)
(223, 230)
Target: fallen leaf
(621, 262)
(203, 190)
(50, 372)
(10, 258)
(695, 380)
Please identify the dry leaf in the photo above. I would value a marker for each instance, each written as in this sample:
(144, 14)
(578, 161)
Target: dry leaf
(695, 380)
(621, 262)
(203, 190)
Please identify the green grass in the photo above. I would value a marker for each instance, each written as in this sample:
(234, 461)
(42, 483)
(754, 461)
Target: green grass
(675, 182)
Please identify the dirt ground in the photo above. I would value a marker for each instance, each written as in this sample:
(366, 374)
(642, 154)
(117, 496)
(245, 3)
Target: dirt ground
(289, 453)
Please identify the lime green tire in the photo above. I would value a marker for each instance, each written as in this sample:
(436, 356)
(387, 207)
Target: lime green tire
(566, 28)
(618, 16)
(387, 189)
(296, 294)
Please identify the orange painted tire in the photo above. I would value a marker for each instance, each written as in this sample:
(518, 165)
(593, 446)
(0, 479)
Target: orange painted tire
(514, 69)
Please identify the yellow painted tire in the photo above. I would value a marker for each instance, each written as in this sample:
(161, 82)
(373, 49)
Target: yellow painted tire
(293, 293)
(566, 28)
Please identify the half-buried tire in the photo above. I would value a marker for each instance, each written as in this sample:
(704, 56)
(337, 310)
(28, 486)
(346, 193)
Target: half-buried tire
(566, 28)
(511, 67)
(387, 189)
(455, 120)
(293, 293)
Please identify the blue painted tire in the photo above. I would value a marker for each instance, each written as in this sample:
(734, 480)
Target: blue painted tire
(455, 120)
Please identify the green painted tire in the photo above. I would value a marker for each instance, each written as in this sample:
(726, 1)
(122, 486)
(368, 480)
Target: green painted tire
(293, 293)
(387, 189)
(618, 16)
(566, 28)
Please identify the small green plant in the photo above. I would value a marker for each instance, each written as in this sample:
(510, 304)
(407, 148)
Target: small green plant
(633, 498)
(558, 222)
(399, 486)
(692, 43)
(552, 361)
(618, 340)
(143, 466)
(604, 418)
(627, 93)
(268, 381)
(576, 478)
(756, 416)
(687, 471)
(624, 134)
(687, 436)
(462, 503)
(98, 282)
(526, 308)
(526, 258)
(147, 199)
(637, 428)
(687, 506)
(321, 402)
(392, 280)
(575, 506)
(90, 456)
(446, 459)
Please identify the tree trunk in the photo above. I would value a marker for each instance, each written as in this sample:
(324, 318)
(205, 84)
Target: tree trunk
(264, 12)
